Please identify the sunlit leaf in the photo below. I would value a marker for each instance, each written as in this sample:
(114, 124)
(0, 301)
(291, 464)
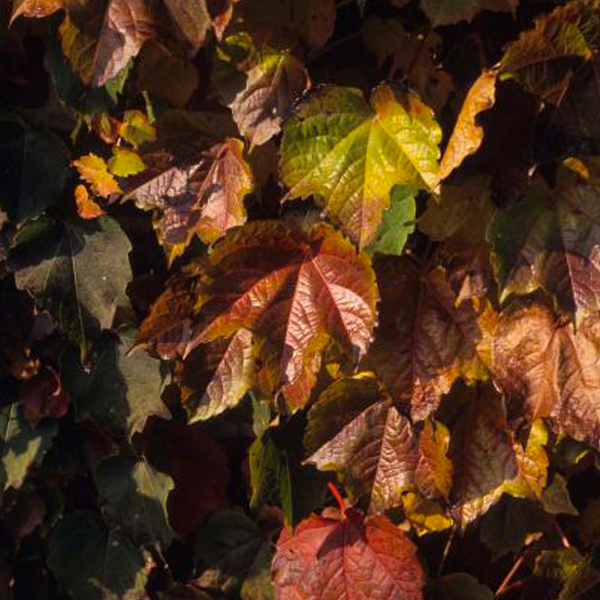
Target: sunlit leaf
(294, 291)
(340, 557)
(94, 170)
(350, 154)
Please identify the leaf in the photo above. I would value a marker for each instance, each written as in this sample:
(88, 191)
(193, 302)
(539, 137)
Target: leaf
(397, 223)
(118, 391)
(261, 98)
(294, 291)
(125, 162)
(192, 20)
(98, 53)
(412, 56)
(424, 341)
(544, 59)
(481, 450)
(52, 261)
(468, 134)
(198, 466)
(35, 168)
(135, 496)
(461, 586)
(340, 557)
(235, 556)
(216, 376)
(137, 129)
(446, 12)
(506, 525)
(349, 154)
(94, 170)
(434, 470)
(556, 499)
(551, 240)
(201, 193)
(354, 430)
(21, 444)
(86, 207)
(92, 562)
(35, 8)
(550, 370)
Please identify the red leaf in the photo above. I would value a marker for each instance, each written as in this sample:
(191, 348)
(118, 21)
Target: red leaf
(342, 558)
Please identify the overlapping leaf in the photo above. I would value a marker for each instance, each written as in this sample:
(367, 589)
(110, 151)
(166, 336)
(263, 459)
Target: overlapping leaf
(350, 154)
(424, 340)
(294, 291)
(444, 12)
(551, 239)
(93, 562)
(52, 261)
(345, 556)
(194, 192)
(551, 368)
(545, 58)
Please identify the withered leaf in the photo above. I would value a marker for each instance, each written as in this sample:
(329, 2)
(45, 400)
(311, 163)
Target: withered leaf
(468, 134)
(355, 430)
(195, 192)
(424, 341)
(294, 291)
(551, 368)
(344, 557)
(110, 36)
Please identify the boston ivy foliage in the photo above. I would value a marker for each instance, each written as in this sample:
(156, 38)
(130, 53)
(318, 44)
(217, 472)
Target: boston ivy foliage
(299, 299)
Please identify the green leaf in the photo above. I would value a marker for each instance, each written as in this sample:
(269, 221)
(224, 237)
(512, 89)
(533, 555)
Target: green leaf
(135, 495)
(125, 162)
(349, 155)
(506, 525)
(93, 562)
(556, 499)
(21, 444)
(461, 586)
(235, 556)
(398, 222)
(77, 270)
(35, 168)
(118, 391)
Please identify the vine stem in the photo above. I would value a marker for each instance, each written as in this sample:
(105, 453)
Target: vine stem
(503, 587)
(446, 551)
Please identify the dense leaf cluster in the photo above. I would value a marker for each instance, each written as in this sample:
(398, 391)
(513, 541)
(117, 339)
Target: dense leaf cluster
(299, 299)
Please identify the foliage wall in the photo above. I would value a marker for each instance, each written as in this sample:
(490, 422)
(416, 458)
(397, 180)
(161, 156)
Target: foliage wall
(299, 299)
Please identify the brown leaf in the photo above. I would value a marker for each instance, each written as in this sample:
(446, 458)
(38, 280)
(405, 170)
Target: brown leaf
(192, 20)
(43, 396)
(551, 369)
(294, 291)
(167, 330)
(345, 558)
(195, 193)
(99, 54)
(468, 134)
(425, 340)
(215, 376)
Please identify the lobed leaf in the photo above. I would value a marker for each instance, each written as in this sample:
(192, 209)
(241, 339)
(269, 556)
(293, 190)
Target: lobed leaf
(349, 155)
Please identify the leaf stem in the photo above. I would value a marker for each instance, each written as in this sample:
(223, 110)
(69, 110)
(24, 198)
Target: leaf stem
(446, 551)
(338, 497)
